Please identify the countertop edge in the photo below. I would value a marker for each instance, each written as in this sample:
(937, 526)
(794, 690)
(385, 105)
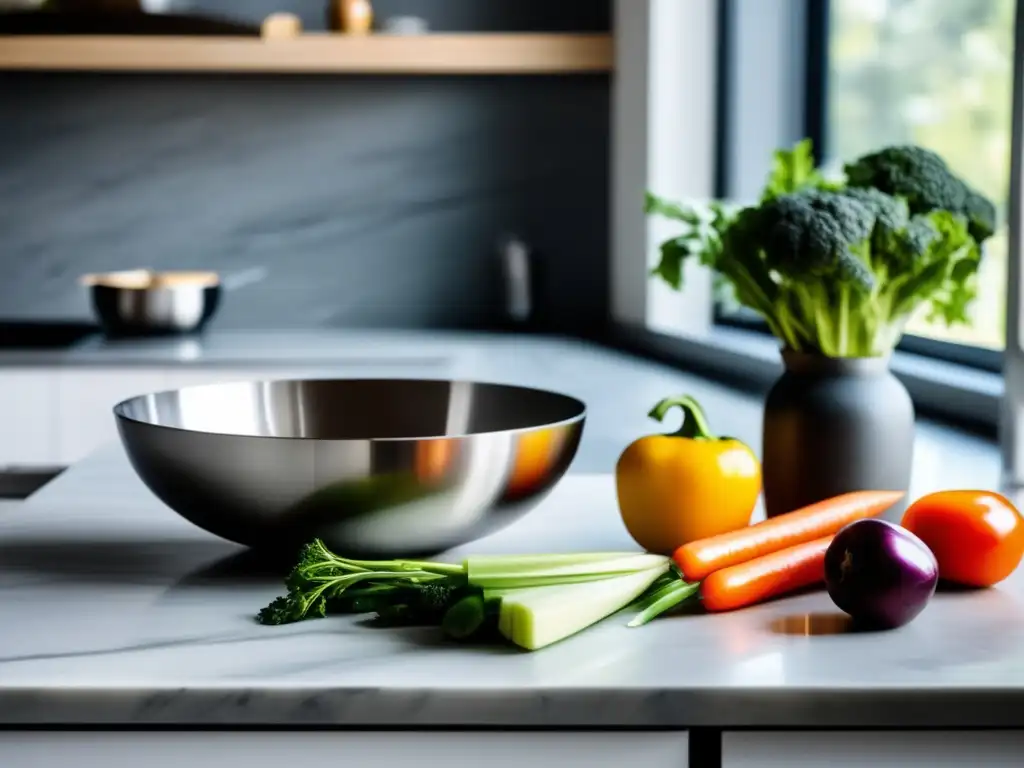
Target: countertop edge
(299, 707)
(297, 348)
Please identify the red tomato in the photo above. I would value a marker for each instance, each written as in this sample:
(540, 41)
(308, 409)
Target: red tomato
(977, 536)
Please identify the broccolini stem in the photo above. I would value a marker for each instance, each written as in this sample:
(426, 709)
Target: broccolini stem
(415, 577)
(398, 566)
(825, 328)
(792, 331)
(843, 335)
(773, 326)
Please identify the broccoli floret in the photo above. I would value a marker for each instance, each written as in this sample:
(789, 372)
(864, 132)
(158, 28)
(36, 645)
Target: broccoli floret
(815, 234)
(817, 244)
(891, 214)
(922, 178)
(935, 263)
(435, 596)
(910, 246)
(323, 583)
(315, 560)
(981, 216)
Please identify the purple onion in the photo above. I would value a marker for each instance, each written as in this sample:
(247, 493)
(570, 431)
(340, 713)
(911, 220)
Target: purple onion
(879, 573)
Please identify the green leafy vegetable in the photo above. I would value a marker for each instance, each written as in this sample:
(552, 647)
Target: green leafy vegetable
(838, 266)
(532, 600)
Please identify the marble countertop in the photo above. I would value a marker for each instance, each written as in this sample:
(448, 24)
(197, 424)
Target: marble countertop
(619, 389)
(253, 348)
(116, 611)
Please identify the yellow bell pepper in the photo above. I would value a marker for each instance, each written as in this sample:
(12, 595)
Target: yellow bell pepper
(687, 485)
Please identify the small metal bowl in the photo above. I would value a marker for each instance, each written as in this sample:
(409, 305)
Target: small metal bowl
(145, 303)
(386, 468)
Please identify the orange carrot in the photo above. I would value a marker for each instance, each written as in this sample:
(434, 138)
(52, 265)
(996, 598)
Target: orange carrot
(766, 577)
(699, 558)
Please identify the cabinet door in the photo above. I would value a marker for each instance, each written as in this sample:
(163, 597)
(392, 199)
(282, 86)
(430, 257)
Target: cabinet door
(84, 403)
(381, 750)
(879, 749)
(28, 431)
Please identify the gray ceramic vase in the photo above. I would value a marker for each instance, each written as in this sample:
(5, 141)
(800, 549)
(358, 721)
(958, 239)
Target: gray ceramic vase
(833, 425)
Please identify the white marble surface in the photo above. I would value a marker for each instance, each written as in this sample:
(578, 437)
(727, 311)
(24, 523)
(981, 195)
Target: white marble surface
(114, 611)
(253, 348)
(618, 389)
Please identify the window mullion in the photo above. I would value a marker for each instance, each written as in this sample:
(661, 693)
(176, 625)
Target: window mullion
(1012, 421)
(663, 139)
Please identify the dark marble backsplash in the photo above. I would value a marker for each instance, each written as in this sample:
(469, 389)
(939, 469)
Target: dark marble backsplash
(323, 200)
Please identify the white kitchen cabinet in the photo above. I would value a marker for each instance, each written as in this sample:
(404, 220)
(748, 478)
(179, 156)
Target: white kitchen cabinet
(878, 749)
(28, 431)
(84, 402)
(97, 749)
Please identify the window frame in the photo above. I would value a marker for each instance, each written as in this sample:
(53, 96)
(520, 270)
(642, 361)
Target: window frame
(698, 59)
(1011, 423)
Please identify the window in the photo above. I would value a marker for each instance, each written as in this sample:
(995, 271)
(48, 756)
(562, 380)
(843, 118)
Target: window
(936, 73)
(932, 72)
(704, 92)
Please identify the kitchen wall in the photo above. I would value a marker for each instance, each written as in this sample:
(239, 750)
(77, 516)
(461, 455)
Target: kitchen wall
(327, 201)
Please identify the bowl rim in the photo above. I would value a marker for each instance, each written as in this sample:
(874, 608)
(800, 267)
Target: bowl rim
(580, 417)
(151, 279)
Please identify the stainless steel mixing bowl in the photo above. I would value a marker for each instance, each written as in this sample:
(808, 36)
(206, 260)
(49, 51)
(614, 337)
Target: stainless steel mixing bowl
(388, 468)
(145, 303)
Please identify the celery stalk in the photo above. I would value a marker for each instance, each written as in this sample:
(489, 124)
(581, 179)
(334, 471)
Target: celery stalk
(534, 618)
(522, 571)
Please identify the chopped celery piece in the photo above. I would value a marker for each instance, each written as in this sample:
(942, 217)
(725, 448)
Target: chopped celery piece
(517, 572)
(534, 618)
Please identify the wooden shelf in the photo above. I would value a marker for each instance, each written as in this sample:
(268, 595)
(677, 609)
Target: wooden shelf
(440, 54)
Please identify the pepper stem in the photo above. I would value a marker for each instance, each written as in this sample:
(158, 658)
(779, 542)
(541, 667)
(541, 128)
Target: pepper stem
(695, 424)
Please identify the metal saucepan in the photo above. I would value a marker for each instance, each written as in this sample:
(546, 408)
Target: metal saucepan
(389, 468)
(144, 303)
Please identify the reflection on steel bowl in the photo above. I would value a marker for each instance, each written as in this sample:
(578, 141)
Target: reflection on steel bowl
(144, 303)
(386, 468)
